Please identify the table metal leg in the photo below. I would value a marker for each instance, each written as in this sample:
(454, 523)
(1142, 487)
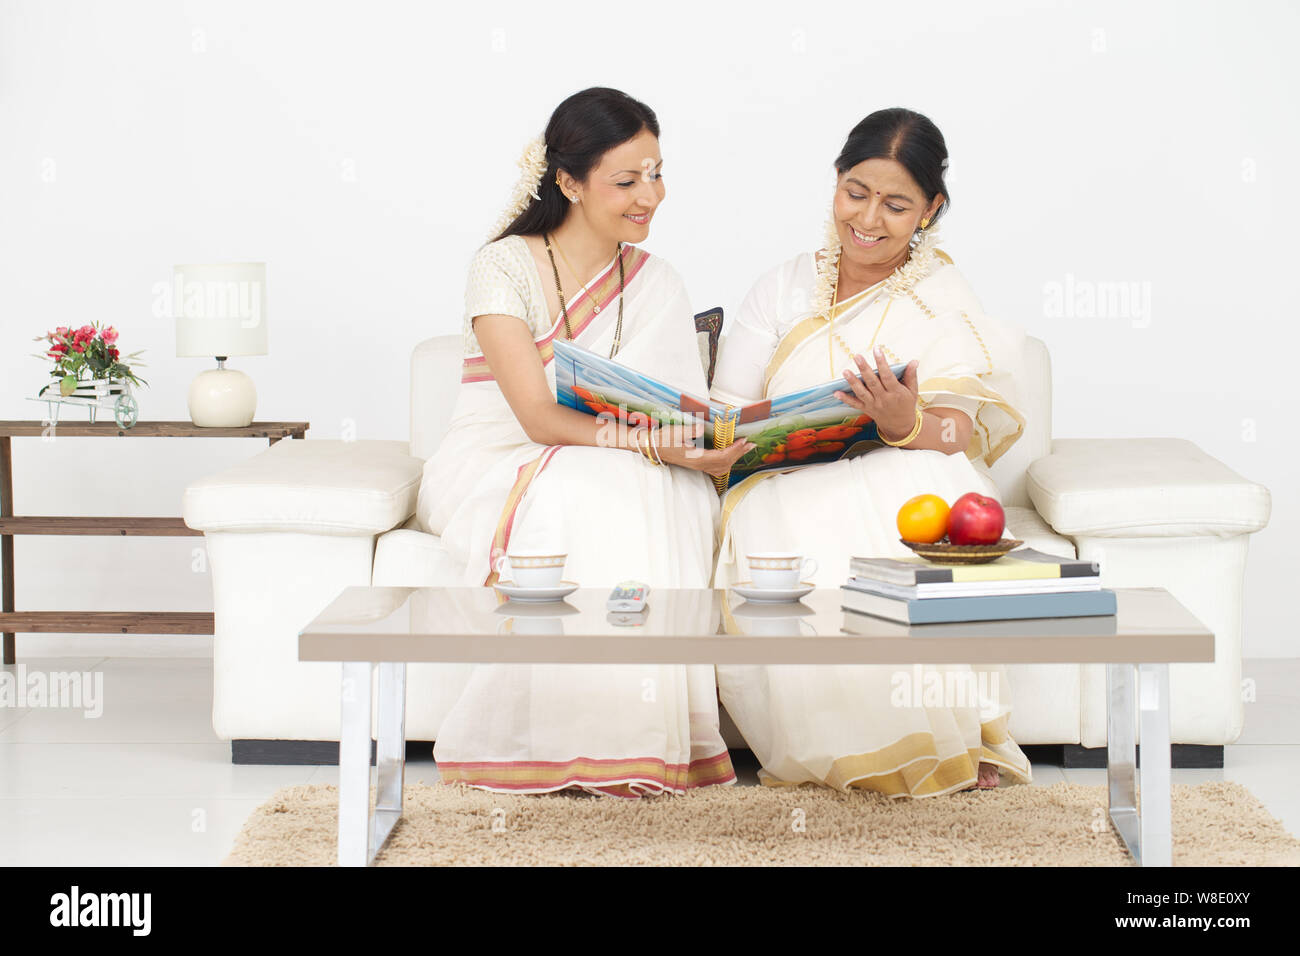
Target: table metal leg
(1155, 774)
(390, 759)
(1139, 695)
(1121, 753)
(354, 765)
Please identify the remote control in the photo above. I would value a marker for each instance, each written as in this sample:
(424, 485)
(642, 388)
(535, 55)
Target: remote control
(629, 596)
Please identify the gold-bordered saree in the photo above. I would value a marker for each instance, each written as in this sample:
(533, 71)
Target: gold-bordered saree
(843, 726)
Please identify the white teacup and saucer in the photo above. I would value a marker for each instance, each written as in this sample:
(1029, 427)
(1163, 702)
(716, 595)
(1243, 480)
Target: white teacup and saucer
(776, 577)
(535, 576)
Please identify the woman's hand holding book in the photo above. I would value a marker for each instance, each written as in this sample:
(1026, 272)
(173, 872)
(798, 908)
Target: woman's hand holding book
(890, 403)
(676, 446)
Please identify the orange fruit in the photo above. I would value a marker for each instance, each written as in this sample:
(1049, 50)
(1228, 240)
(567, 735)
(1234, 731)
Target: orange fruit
(923, 519)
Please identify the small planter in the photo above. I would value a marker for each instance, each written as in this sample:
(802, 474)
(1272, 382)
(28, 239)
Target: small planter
(113, 395)
(100, 388)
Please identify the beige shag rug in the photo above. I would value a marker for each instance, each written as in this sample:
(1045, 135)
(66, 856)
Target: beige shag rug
(1215, 824)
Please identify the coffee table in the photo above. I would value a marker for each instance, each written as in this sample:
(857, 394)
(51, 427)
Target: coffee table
(384, 627)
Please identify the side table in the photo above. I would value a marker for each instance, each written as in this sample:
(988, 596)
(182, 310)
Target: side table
(103, 622)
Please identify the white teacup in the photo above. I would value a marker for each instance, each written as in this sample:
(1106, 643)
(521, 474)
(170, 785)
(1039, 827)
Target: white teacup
(779, 569)
(532, 569)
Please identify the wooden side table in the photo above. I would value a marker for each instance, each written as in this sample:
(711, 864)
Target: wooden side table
(103, 622)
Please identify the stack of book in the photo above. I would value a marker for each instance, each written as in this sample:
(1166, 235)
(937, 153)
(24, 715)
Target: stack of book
(1023, 584)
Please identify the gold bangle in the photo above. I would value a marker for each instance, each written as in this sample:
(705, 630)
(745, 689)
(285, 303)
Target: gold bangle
(916, 430)
(654, 443)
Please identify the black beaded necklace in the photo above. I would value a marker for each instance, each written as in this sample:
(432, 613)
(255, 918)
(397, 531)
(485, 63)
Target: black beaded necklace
(564, 311)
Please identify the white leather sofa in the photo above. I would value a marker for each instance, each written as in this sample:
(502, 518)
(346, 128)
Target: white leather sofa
(288, 529)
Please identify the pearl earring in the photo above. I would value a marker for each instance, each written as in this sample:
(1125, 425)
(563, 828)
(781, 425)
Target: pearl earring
(573, 199)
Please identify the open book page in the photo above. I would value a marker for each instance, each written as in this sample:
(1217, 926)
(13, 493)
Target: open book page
(598, 386)
(804, 427)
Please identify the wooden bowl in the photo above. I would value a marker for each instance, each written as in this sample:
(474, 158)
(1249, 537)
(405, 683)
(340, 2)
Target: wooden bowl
(942, 552)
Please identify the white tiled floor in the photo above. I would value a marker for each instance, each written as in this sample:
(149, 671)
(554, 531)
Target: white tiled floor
(149, 783)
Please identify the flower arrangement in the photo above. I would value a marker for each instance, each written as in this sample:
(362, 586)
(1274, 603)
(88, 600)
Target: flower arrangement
(532, 166)
(89, 349)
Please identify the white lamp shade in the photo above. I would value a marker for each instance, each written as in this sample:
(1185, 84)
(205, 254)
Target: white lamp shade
(220, 309)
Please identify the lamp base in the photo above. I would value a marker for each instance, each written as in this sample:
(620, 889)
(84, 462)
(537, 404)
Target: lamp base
(222, 398)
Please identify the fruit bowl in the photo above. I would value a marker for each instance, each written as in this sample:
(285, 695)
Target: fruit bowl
(942, 552)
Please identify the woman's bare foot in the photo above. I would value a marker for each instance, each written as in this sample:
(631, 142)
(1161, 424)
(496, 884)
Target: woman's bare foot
(989, 777)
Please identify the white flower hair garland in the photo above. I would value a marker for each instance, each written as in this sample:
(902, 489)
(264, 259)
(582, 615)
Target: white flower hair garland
(919, 262)
(532, 166)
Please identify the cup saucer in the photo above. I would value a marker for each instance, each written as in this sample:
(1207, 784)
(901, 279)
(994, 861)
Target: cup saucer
(756, 595)
(553, 593)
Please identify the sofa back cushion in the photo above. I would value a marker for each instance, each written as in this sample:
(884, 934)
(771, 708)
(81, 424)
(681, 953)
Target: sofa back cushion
(435, 381)
(1035, 395)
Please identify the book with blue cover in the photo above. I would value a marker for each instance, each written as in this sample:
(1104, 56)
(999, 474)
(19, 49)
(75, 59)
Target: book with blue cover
(803, 427)
(988, 608)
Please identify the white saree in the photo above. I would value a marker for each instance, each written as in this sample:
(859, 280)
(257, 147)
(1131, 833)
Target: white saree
(619, 730)
(849, 726)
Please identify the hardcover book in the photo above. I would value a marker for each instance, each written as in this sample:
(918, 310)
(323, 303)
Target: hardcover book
(1021, 564)
(803, 427)
(925, 592)
(991, 608)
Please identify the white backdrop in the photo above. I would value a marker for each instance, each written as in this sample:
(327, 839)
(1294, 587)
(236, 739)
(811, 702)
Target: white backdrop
(363, 150)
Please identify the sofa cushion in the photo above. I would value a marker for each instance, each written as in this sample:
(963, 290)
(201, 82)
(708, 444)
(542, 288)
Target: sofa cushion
(312, 486)
(1142, 487)
(1028, 526)
(410, 558)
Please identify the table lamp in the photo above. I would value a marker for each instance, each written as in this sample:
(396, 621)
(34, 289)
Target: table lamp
(220, 311)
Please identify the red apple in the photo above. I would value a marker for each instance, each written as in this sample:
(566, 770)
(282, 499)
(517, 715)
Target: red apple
(976, 519)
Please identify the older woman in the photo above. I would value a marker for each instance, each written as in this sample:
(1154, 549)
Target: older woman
(879, 293)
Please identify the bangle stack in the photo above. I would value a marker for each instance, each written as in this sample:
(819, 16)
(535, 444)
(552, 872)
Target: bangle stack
(651, 448)
(916, 430)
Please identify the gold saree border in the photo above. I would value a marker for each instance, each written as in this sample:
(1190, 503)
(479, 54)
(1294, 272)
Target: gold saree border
(911, 767)
(809, 326)
(736, 494)
(972, 387)
(582, 309)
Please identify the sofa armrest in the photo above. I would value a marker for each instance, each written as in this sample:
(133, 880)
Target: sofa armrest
(311, 486)
(1142, 488)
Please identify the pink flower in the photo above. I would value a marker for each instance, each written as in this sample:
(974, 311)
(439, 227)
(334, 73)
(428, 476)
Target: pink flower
(78, 347)
(62, 330)
(109, 335)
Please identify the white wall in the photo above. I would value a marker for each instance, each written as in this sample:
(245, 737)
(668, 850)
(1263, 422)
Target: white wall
(363, 150)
